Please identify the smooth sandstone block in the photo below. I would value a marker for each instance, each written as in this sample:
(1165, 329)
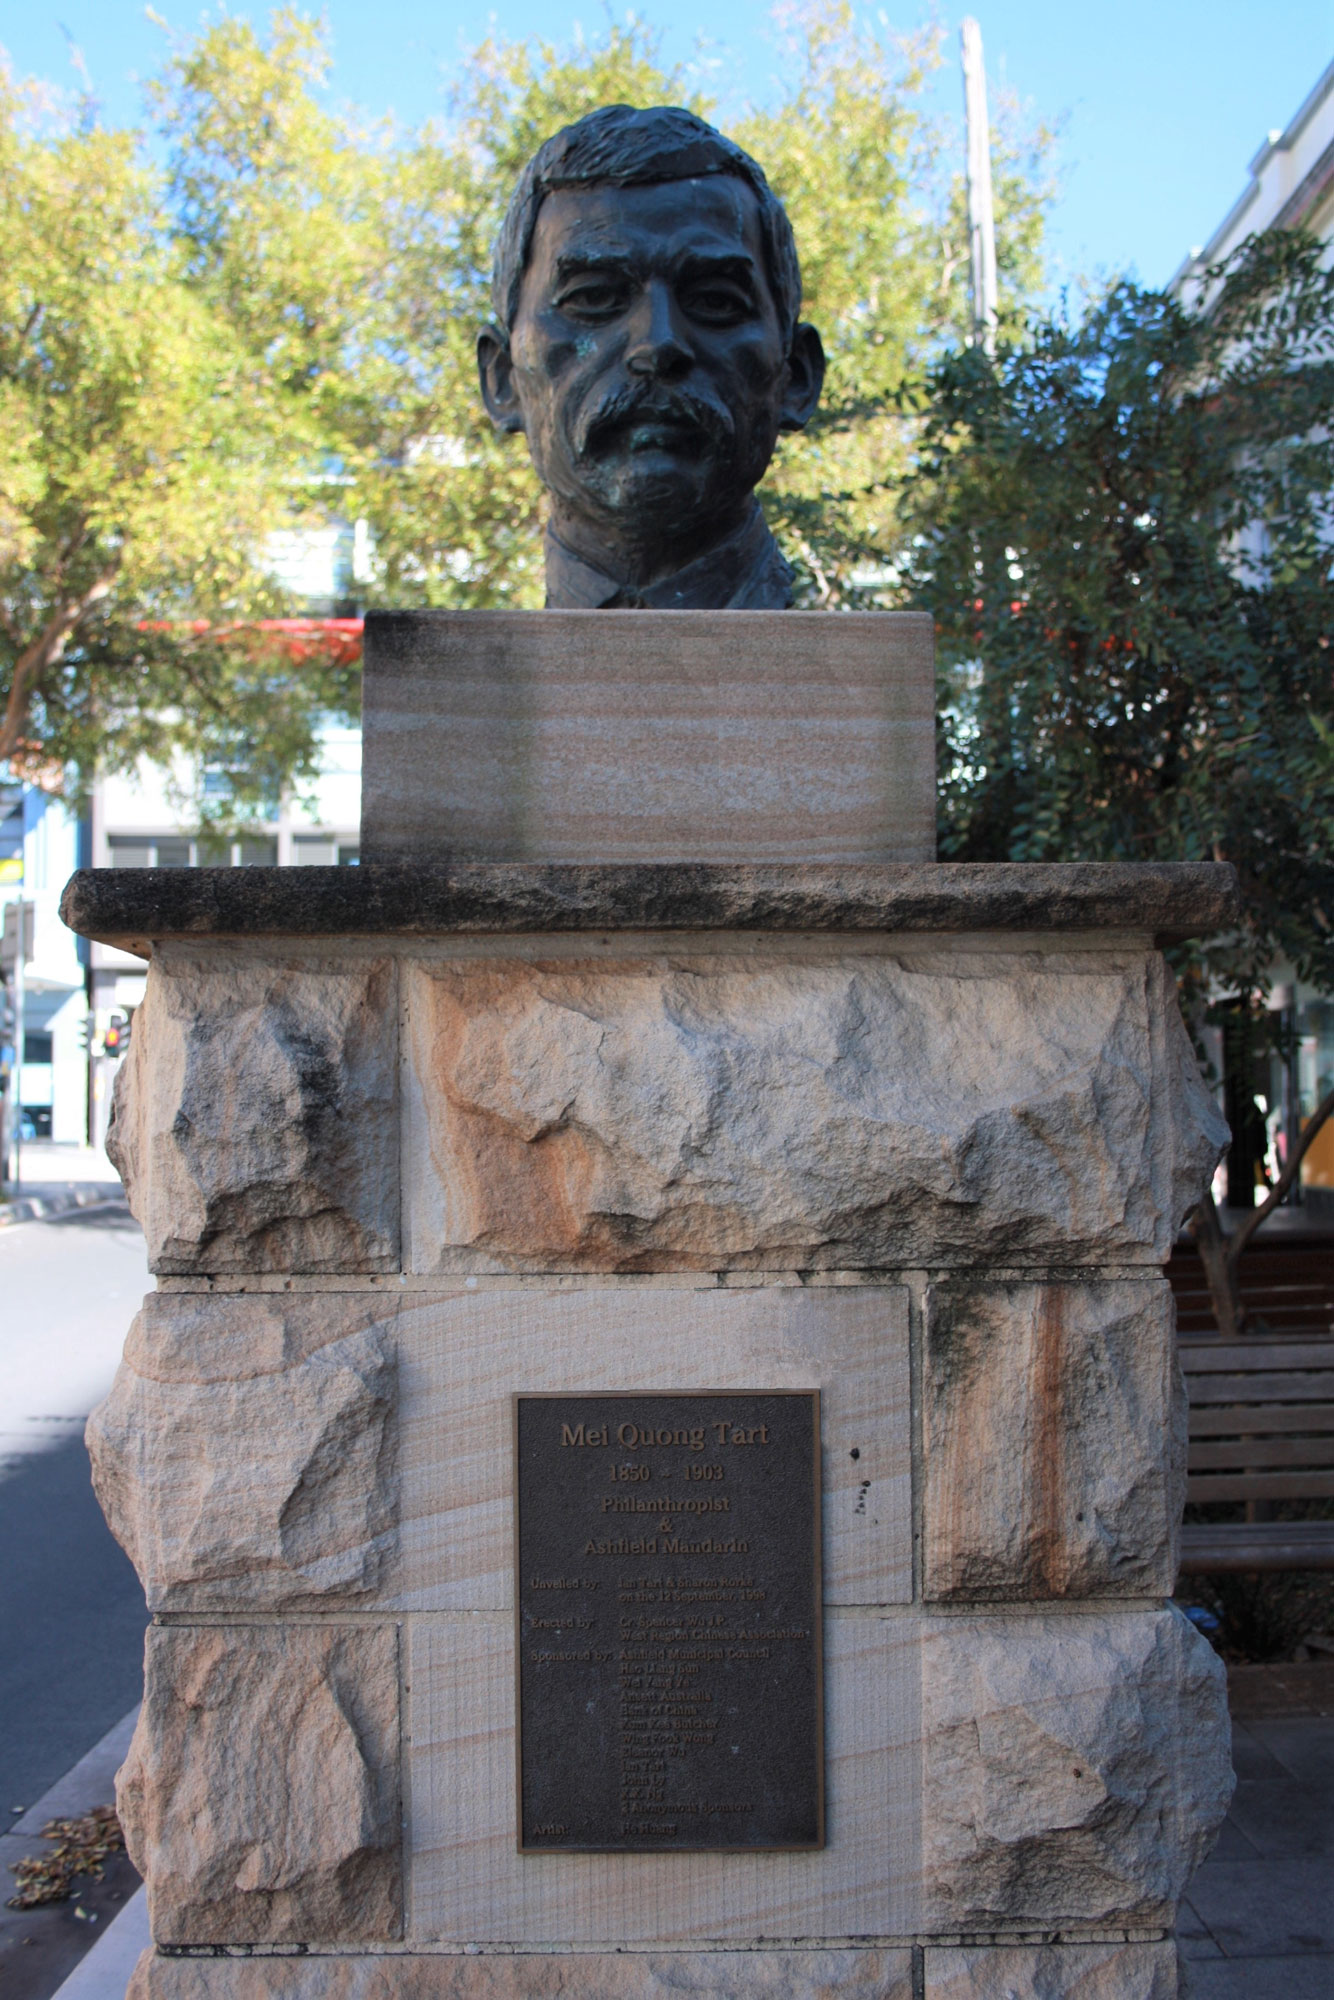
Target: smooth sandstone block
(246, 1456)
(1076, 1767)
(256, 1119)
(878, 1109)
(462, 1357)
(260, 1797)
(1054, 1434)
(606, 736)
(874, 1974)
(469, 1885)
(1053, 1972)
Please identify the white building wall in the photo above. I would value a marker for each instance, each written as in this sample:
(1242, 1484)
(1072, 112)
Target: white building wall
(1291, 186)
(145, 820)
(54, 981)
(73, 988)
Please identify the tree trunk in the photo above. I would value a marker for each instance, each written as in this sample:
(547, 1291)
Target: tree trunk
(40, 655)
(1206, 1227)
(1221, 1255)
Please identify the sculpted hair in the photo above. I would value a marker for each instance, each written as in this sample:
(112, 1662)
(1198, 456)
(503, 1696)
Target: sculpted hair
(620, 147)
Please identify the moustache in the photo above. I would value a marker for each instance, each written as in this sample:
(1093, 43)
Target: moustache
(677, 406)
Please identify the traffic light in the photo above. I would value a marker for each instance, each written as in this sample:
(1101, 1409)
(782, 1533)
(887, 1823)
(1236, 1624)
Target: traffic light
(86, 1030)
(117, 1037)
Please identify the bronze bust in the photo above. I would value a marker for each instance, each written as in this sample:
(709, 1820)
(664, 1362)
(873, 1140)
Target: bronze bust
(648, 345)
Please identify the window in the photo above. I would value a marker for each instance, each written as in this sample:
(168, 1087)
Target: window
(349, 857)
(131, 853)
(314, 850)
(36, 1046)
(257, 853)
(137, 850)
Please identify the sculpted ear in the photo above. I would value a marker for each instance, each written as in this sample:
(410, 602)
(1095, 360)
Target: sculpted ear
(495, 366)
(805, 379)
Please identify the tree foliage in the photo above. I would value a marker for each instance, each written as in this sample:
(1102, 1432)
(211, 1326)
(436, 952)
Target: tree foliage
(261, 311)
(1123, 528)
(142, 455)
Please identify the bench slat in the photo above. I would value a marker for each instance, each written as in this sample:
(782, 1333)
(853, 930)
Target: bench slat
(1207, 1486)
(1261, 1454)
(1229, 1357)
(1304, 1388)
(1255, 1419)
(1246, 1545)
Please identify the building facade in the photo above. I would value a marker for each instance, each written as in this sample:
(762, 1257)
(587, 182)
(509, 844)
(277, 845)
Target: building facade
(79, 998)
(1290, 186)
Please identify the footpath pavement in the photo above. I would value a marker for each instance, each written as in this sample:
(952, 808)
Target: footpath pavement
(1257, 1922)
(39, 1949)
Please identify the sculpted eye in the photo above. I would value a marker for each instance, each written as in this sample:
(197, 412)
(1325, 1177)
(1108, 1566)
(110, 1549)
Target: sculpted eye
(594, 298)
(718, 303)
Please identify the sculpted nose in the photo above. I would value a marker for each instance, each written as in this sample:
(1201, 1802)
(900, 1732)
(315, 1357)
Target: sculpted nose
(656, 345)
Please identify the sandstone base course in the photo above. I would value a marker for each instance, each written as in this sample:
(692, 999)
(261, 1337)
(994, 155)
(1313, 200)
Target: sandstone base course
(677, 1975)
(1053, 1972)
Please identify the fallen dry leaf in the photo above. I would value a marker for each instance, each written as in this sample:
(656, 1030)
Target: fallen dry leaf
(82, 1845)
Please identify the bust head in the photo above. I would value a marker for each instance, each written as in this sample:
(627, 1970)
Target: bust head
(647, 340)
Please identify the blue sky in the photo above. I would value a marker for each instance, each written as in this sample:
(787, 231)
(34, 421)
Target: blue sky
(1160, 103)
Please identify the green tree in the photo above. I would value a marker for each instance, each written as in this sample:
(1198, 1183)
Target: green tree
(878, 206)
(1123, 529)
(142, 463)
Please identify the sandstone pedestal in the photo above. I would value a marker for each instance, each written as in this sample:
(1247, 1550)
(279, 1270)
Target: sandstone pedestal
(406, 1141)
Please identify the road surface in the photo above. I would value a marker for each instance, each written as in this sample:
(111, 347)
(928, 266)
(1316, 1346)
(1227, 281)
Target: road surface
(72, 1614)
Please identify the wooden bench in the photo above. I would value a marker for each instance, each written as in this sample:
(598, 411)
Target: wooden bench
(1289, 1286)
(1261, 1429)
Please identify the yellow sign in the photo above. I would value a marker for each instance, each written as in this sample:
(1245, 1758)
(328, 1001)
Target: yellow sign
(11, 868)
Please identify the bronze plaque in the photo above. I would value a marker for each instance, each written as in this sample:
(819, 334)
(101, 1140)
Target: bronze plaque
(668, 1621)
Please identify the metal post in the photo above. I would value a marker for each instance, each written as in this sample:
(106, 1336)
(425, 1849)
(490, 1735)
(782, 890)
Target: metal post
(981, 221)
(19, 1030)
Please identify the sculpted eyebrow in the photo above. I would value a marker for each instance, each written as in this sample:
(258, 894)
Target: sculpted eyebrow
(577, 263)
(698, 264)
(573, 263)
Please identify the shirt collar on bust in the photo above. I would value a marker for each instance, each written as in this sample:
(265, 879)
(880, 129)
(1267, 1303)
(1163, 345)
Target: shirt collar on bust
(747, 572)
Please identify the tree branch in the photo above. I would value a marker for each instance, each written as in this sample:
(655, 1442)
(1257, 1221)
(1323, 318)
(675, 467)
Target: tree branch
(41, 654)
(1284, 1181)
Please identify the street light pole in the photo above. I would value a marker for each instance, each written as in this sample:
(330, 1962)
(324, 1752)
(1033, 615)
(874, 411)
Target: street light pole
(981, 220)
(15, 952)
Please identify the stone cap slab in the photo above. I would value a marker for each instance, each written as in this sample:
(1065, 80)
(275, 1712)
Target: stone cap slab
(134, 907)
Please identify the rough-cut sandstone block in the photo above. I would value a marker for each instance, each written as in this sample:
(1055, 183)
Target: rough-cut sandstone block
(692, 1113)
(1053, 1972)
(1076, 1767)
(1055, 1449)
(260, 1798)
(679, 1975)
(255, 1121)
(246, 1454)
